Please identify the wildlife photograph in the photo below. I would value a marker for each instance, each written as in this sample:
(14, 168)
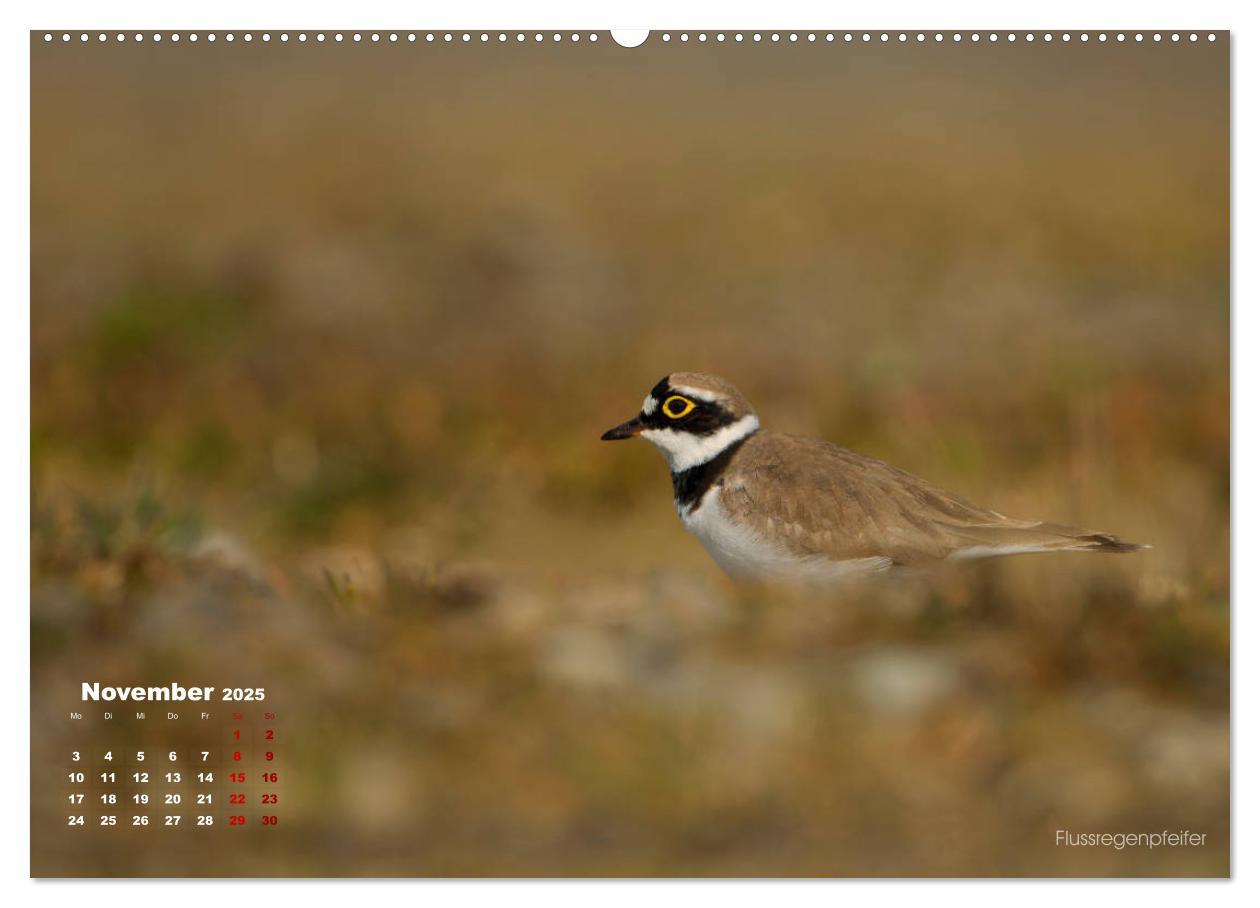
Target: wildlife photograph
(743, 454)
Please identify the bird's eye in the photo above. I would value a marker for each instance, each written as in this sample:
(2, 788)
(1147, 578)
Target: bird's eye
(677, 407)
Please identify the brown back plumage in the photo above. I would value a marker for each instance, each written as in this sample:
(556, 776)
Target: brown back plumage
(822, 500)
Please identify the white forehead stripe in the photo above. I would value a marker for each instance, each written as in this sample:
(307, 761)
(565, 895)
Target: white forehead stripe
(649, 405)
(684, 450)
(698, 393)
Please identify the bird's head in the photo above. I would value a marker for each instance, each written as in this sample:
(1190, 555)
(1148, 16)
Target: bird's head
(692, 417)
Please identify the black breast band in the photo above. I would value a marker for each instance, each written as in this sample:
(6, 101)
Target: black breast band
(691, 484)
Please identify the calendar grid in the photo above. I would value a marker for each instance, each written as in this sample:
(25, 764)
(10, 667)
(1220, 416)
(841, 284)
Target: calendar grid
(203, 770)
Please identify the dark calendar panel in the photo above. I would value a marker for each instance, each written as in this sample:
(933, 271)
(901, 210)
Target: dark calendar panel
(161, 762)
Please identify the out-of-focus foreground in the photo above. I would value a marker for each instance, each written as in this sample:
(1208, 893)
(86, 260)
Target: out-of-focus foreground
(323, 338)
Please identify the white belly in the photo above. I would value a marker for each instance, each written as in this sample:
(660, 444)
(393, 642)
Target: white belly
(745, 553)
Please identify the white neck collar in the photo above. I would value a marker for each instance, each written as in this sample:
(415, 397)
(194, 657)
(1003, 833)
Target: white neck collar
(684, 450)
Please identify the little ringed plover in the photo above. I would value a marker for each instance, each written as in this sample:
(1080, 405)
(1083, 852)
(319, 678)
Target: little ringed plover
(773, 506)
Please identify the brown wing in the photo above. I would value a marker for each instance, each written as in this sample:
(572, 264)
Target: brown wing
(827, 501)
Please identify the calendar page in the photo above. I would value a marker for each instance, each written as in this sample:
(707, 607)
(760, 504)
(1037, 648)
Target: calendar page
(911, 557)
(166, 757)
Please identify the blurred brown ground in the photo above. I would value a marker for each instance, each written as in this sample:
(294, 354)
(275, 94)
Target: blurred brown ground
(323, 337)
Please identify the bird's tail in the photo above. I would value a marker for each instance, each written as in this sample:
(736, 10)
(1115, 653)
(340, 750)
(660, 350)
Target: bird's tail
(1014, 537)
(1105, 542)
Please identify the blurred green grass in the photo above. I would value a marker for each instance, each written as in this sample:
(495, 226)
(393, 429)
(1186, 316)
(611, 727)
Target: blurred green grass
(323, 339)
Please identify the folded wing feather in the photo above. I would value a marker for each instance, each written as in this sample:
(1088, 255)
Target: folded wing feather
(823, 500)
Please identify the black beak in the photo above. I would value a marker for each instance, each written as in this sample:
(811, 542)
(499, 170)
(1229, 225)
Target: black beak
(625, 430)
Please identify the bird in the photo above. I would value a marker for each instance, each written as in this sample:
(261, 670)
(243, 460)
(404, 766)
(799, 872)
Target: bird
(769, 506)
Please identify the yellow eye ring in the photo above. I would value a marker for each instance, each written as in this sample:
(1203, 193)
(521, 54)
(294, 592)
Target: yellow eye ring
(676, 407)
